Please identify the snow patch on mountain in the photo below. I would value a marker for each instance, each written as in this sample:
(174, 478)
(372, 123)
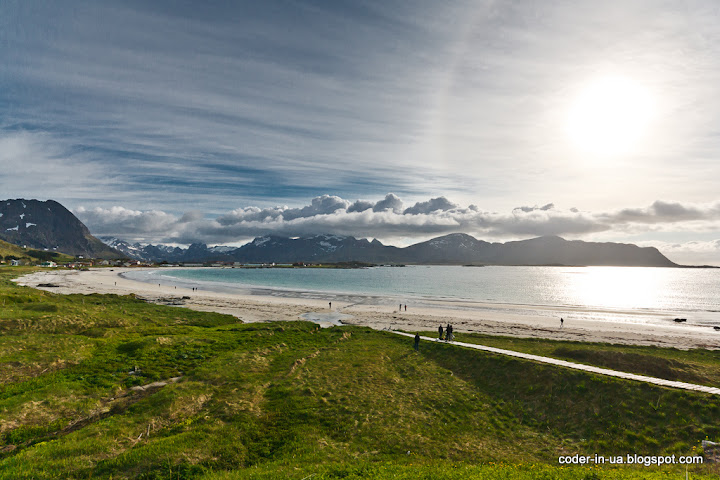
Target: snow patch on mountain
(328, 247)
(261, 241)
(221, 249)
(329, 237)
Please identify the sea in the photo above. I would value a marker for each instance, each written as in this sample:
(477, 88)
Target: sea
(619, 294)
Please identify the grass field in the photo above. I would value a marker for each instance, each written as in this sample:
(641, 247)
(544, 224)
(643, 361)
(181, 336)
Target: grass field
(10, 249)
(225, 400)
(29, 255)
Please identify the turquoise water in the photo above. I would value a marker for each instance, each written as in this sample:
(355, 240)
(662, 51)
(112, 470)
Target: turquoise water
(610, 292)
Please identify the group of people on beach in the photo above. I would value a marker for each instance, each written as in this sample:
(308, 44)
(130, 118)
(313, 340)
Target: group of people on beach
(448, 333)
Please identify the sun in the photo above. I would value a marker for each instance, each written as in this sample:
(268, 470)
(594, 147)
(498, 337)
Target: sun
(610, 116)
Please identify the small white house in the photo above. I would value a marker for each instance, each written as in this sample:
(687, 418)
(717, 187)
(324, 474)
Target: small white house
(49, 264)
(14, 263)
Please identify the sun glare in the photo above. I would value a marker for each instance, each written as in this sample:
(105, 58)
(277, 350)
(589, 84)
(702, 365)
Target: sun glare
(609, 116)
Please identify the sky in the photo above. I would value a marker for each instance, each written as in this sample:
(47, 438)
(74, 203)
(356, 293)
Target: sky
(218, 121)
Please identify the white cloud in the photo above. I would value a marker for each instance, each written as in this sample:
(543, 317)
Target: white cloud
(432, 205)
(133, 224)
(390, 202)
(360, 206)
(689, 253)
(549, 206)
(323, 205)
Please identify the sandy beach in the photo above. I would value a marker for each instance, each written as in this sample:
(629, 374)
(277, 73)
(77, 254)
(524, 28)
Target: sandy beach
(490, 319)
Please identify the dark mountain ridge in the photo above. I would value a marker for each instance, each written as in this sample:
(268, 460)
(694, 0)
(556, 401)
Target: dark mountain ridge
(49, 226)
(452, 249)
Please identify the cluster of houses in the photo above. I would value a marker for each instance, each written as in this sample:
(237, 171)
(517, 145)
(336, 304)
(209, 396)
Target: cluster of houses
(121, 263)
(107, 263)
(83, 263)
(87, 263)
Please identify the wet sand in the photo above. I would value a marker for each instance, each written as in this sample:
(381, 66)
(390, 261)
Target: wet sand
(492, 319)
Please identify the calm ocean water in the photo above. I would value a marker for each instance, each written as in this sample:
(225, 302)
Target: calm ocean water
(611, 293)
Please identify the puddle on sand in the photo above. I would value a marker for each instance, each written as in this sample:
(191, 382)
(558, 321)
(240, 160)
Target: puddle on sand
(325, 319)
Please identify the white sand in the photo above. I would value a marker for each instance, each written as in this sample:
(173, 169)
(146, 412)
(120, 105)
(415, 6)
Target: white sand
(494, 319)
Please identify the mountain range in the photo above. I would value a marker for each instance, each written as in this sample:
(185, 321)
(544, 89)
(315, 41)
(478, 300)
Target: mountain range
(453, 249)
(47, 225)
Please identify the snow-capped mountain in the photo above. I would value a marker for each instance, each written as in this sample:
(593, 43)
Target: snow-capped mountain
(49, 226)
(165, 253)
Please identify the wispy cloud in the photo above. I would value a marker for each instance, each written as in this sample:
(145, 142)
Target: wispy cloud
(465, 99)
(49, 165)
(241, 97)
(666, 212)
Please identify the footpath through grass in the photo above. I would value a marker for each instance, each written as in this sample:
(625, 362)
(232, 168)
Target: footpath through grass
(291, 400)
(692, 366)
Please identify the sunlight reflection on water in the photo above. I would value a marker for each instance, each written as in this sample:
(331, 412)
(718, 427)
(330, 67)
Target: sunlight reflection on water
(600, 292)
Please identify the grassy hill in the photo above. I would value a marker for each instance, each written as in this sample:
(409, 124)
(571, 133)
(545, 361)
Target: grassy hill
(9, 249)
(225, 400)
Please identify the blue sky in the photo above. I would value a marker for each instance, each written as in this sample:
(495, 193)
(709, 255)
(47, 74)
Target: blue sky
(218, 121)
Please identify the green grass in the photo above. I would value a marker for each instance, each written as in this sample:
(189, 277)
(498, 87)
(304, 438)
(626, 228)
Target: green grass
(10, 249)
(413, 470)
(291, 400)
(34, 256)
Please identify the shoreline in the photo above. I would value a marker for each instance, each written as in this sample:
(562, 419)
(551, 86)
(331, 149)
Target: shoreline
(492, 319)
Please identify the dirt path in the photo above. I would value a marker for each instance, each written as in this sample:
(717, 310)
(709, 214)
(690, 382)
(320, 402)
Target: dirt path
(578, 366)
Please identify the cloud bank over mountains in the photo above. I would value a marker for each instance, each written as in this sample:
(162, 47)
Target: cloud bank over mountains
(390, 220)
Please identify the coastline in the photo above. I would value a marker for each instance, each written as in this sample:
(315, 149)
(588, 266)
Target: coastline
(491, 319)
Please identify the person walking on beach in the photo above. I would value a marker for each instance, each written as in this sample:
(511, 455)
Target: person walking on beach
(440, 332)
(400, 308)
(417, 342)
(406, 308)
(330, 305)
(561, 322)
